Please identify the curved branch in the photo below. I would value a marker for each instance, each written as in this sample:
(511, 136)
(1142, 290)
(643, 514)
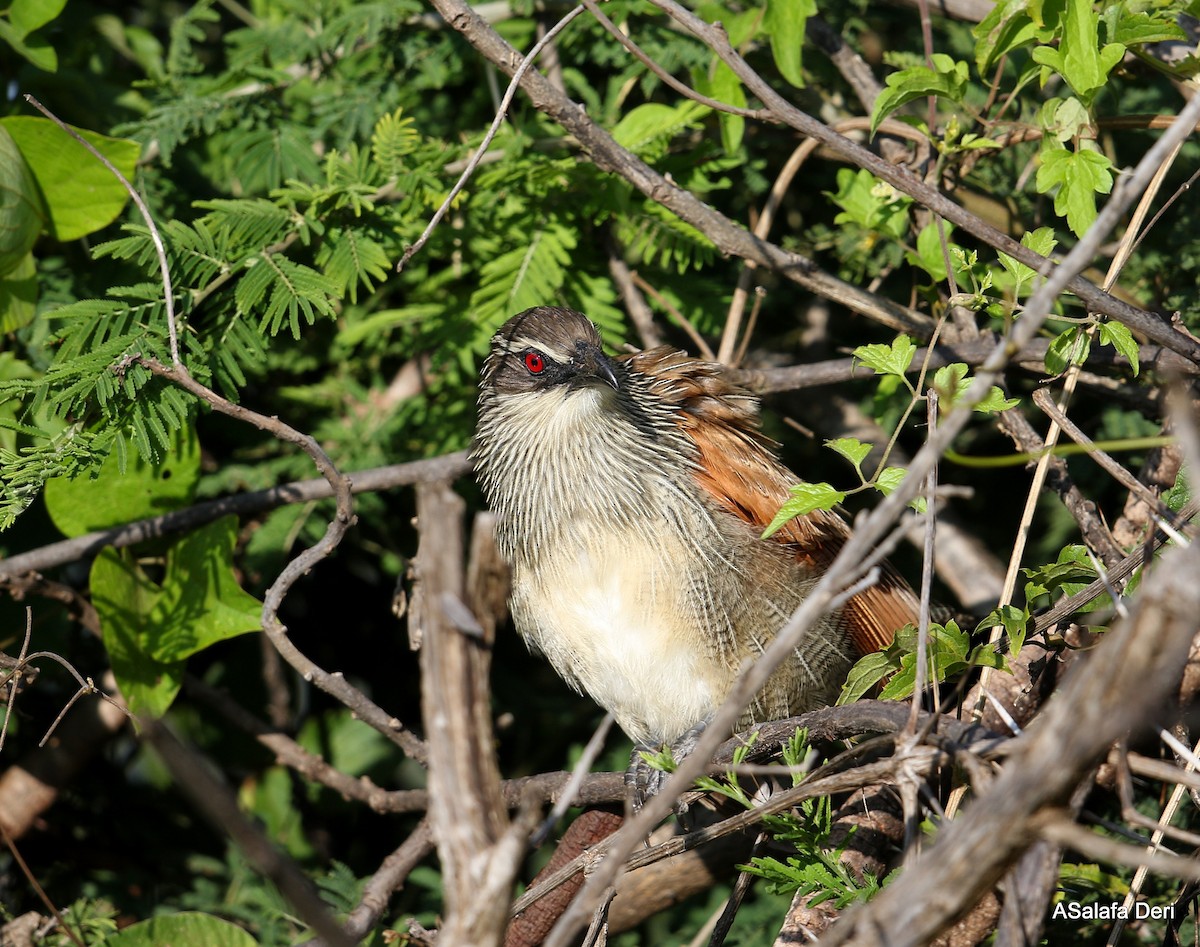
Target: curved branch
(447, 467)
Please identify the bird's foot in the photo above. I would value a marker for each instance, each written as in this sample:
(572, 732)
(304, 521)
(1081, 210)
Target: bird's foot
(650, 767)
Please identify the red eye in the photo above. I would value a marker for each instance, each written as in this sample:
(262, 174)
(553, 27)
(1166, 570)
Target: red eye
(535, 363)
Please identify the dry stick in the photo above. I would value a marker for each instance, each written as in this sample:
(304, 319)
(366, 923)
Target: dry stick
(37, 888)
(332, 683)
(729, 237)
(762, 229)
(1068, 389)
(1031, 357)
(1151, 852)
(387, 880)
(923, 616)
(501, 111)
(783, 181)
(216, 801)
(479, 848)
(1058, 828)
(639, 310)
(446, 467)
(1041, 397)
(682, 88)
(287, 751)
(1068, 606)
(581, 769)
(824, 725)
(842, 571)
(1153, 325)
(155, 236)
(1122, 687)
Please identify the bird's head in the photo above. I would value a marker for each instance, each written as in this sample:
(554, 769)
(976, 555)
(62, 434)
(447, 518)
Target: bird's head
(547, 348)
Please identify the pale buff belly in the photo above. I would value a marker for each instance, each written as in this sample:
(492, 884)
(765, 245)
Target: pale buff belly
(619, 624)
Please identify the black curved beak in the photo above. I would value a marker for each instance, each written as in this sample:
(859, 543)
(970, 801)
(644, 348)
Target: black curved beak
(591, 362)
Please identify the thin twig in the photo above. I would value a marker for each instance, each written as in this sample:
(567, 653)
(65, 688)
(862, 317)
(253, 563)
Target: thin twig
(501, 112)
(155, 236)
(683, 89)
(37, 888)
(581, 769)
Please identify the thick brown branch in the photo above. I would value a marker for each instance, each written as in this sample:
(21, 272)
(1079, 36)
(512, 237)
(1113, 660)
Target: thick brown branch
(1121, 690)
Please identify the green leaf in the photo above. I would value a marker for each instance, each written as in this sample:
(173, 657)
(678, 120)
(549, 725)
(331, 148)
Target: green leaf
(33, 47)
(1079, 176)
(1006, 27)
(871, 203)
(644, 128)
(951, 381)
(80, 194)
(1078, 58)
(889, 479)
(1121, 339)
(1013, 620)
(201, 602)
(186, 929)
(948, 78)
(1062, 350)
(891, 359)
(806, 497)
(929, 255)
(1040, 241)
(29, 15)
(784, 23)
(124, 598)
(851, 448)
(995, 401)
(18, 295)
(83, 504)
(727, 87)
(22, 212)
(1135, 29)
(868, 671)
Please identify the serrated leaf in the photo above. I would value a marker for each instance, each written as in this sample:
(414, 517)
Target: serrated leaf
(889, 479)
(1007, 27)
(1040, 241)
(185, 929)
(851, 448)
(891, 359)
(1121, 339)
(1078, 176)
(947, 79)
(1139, 28)
(995, 401)
(1079, 58)
(868, 671)
(1013, 620)
(1062, 350)
(951, 381)
(805, 498)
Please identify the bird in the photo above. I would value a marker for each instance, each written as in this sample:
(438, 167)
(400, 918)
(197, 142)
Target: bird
(631, 494)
